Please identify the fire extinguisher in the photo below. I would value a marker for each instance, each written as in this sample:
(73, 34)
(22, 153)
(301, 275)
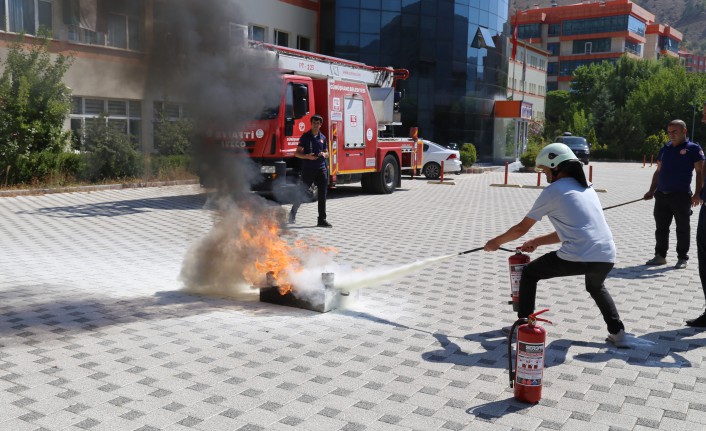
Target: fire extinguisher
(517, 263)
(528, 373)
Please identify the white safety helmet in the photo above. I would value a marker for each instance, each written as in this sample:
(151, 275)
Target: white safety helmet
(552, 155)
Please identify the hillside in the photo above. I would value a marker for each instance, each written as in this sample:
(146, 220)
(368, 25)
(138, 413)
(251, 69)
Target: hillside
(687, 16)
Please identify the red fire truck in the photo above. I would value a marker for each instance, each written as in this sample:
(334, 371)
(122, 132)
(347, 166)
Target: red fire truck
(357, 104)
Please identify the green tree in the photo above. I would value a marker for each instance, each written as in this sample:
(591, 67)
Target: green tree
(34, 102)
(558, 112)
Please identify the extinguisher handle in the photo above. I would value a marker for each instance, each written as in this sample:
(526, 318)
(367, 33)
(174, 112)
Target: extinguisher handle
(533, 317)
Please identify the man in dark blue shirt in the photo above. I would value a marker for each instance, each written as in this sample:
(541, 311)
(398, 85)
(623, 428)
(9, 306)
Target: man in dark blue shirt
(671, 188)
(313, 152)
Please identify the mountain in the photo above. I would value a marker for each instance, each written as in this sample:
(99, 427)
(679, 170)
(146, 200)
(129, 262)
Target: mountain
(687, 16)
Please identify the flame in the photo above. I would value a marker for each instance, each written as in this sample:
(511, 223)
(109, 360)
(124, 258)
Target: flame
(270, 254)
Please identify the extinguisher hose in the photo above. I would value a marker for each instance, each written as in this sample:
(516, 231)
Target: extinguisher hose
(510, 370)
(624, 203)
(473, 250)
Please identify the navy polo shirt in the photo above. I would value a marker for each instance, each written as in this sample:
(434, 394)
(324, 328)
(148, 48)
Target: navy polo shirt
(677, 166)
(313, 145)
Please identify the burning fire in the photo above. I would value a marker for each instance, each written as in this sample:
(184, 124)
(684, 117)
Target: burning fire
(272, 255)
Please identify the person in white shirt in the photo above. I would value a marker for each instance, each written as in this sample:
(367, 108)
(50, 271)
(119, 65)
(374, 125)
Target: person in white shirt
(587, 246)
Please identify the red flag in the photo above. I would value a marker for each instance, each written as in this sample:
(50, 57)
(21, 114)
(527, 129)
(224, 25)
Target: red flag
(514, 40)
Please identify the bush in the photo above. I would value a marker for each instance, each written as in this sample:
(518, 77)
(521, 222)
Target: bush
(108, 151)
(45, 167)
(653, 143)
(34, 102)
(173, 137)
(529, 157)
(169, 167)
(468, 155)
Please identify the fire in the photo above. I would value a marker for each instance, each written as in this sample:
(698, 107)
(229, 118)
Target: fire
(270, 254)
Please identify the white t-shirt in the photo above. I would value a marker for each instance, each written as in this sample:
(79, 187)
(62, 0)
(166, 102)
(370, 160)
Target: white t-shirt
(577, 216)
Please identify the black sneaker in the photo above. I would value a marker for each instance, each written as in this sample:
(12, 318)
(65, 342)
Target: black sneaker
(699, 322)
(324, 223)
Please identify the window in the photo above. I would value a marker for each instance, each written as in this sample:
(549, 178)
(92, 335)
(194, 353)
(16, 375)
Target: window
(588, 46)
(526, 31)
(281, 38)
(554, 29)
(553, 49)
(257, 33)
(599, 25)
(28, 16)
(633, 47)
(126, 115)
(303, 43)
(552, 68)
(114, 24)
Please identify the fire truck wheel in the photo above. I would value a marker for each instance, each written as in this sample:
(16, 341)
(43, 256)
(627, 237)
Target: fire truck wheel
(386, 180)
(432, 170)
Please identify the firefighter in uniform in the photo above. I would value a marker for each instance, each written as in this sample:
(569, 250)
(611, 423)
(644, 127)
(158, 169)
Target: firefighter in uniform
(313, 152)
(587, 246)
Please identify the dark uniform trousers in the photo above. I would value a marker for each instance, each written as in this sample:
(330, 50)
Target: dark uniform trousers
(670, 206)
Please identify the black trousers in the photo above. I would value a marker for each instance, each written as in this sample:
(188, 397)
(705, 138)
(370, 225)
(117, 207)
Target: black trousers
(309, 177)
(701, 246)
(670, 206)
(551, 266)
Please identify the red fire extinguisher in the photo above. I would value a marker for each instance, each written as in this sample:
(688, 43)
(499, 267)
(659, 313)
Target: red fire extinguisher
(517, 262)
(528, 373)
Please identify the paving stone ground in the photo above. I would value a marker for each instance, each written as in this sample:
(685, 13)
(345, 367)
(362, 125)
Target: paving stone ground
(96, 332)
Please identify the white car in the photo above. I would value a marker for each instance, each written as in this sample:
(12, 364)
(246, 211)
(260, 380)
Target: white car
(434, 154)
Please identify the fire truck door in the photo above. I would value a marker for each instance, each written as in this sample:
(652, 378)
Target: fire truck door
(354, 126)
(354, 123)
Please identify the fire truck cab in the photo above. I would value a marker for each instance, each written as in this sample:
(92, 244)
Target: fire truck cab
(357, 103)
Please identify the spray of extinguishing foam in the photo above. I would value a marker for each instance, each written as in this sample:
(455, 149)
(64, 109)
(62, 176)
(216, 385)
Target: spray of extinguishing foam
(307, 281)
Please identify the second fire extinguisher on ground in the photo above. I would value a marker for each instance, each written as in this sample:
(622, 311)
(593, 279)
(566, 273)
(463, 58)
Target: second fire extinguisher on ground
(517, 263)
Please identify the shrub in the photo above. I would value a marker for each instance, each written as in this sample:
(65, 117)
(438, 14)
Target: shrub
(45, 167)
(108, 151)
(468, 154)
(169, 167)
(529, 157)
(173, 137)
(653, 143)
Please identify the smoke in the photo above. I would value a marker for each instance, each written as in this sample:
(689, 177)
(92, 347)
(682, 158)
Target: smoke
(201, 58)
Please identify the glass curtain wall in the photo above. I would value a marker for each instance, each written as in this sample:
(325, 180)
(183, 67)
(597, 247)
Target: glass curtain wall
(454, 76)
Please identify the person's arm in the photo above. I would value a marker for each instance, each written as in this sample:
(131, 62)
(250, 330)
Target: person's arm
(696, 199)
(511, 234)
(655, 180)
(532, 244)
(300, 154)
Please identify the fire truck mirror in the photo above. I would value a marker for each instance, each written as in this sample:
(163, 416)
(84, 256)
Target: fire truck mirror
(301, 100)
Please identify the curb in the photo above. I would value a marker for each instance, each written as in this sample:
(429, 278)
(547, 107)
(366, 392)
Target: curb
(81, 189)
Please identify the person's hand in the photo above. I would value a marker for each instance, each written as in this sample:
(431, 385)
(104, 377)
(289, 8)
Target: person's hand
(648, 196)
(313, 157)
(696, 201)
(529, 246)
(324, 154)
(491, 245)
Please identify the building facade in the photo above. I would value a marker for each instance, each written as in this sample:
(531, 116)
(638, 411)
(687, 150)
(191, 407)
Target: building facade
(456, 52)
(112, 43)
(592, 32)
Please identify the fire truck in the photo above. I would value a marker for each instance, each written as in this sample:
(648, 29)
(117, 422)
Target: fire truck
(357, 103)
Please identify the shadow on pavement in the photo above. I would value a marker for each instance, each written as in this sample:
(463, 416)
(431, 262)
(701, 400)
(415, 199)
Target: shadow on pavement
(35, 320)
(491, 411)
(121, 208)
(640, 272)
(649, 350)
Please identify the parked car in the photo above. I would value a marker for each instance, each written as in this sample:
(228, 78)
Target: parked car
(578, 145)
(434, 154)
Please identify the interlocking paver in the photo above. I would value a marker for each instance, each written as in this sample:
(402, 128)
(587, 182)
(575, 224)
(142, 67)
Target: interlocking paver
(96, 332)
